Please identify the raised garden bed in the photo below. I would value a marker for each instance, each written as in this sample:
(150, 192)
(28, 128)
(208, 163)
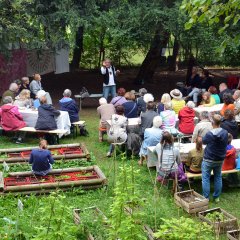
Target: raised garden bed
(64, 179)
(221, 220)
(233, 235)
(191, 201)
(59, 152)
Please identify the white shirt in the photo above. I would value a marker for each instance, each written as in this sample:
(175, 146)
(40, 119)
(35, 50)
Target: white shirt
(111, 77)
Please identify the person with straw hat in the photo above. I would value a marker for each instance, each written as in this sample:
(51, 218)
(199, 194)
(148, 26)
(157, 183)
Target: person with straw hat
(177, 102)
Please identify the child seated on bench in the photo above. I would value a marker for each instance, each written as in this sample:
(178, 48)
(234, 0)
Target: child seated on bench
(195, 157)
(41, 159)
(229, 162)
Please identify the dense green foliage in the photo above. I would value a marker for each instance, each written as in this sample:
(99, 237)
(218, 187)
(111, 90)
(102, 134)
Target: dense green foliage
(223, 14)
(122, 29)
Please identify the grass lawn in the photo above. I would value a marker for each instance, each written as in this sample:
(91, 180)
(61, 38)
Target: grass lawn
(39, 209)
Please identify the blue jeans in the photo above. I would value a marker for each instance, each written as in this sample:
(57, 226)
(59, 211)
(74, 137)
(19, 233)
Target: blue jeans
(194, 93)
(109, 89)
(207, 167)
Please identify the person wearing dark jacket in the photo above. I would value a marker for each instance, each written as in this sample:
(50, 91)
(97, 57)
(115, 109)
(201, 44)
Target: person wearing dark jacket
(69, 105)
(141, 104)
(46, 116)
(130, 107)
(147, 117)
(216, 142)
(229, 124)
(41, 159)
(224, 89)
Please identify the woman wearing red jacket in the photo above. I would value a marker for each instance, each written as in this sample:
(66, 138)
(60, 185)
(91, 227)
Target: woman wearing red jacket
(186, 118)
(11, 119)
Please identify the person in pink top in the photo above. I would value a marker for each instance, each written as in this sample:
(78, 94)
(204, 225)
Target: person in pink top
(11, 119)
(168, 119)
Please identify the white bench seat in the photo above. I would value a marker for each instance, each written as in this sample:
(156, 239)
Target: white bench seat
(32, 129)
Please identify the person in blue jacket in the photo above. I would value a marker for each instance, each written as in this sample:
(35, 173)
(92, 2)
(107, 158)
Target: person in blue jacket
(69, 105)
(41, 159)
(216, 142)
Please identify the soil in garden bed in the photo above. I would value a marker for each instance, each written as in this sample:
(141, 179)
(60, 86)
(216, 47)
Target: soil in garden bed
(64, 177)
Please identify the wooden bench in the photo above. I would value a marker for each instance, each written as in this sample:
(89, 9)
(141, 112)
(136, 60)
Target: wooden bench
(54, 132)
(193, 175)
(76, 125)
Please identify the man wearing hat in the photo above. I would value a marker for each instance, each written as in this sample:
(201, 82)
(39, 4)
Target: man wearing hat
(177, 102)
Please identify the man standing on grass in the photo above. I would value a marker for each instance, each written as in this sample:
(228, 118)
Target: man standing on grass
(214, 154)
(109, 78)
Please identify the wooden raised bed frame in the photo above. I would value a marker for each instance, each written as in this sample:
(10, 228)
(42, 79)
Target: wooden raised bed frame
(222, 226)
(40, 188)
(24, 160)
(233, 235)
(196, 203)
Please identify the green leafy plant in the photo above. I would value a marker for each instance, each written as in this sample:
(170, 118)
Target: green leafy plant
(215, 217)
(125, 225)
(183, 228)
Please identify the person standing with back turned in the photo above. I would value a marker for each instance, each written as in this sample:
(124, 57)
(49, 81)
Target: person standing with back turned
(214, 154)
(109, 78)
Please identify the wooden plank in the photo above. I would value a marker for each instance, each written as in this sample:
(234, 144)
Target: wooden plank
(1, 181)
(47, 191)
(54, 185)
(54, 171)
(192, 175)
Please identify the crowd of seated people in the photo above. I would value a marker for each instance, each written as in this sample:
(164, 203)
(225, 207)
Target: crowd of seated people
(23, 94)
(176, 115)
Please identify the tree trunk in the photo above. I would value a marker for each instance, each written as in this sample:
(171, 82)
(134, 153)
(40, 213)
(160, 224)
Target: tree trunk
(78, 50)
(153, 57)
(173, 63)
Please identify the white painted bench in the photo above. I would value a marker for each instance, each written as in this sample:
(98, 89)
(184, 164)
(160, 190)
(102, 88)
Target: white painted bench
(54, 132)
(76, 125)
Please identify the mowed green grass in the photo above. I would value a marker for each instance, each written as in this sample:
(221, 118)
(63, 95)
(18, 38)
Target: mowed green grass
(102, 198)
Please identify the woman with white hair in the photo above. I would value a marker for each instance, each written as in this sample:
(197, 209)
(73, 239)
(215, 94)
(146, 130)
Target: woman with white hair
(169, 119)
(165, 99)
(152, 136)
(186, 118)
(69, 105)
(11, 92)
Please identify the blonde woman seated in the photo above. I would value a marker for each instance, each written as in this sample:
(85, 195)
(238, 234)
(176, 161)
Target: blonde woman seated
(208, 100)
(195, 157)
(165, 99)
(117, 134)
(23, 99)
(152, 136)
(168, 119)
